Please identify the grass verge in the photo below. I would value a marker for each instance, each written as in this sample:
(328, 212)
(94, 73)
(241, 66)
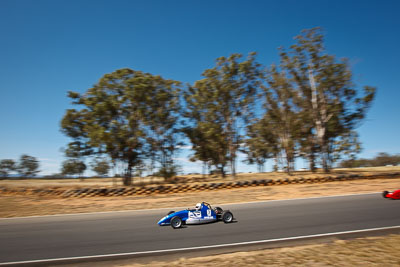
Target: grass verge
(370, 251)
(367, 251)
(17, 206)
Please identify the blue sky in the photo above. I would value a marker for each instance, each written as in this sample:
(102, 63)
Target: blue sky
(50, 47)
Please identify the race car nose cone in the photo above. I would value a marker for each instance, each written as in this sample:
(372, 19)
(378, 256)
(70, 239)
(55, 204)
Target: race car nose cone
(162, 221)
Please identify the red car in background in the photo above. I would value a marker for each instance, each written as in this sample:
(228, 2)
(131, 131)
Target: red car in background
(393, 195)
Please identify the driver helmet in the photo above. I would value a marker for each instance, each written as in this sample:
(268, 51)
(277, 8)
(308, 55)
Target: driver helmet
(198, 205)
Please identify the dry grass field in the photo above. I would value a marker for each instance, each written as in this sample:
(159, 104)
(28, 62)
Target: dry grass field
(370, 251)
(30, 205)
(112, 182)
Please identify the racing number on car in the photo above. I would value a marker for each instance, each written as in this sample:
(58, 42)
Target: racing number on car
(208, 212)
(196, 214)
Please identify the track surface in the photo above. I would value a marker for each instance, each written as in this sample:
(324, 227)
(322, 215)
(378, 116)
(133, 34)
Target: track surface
(50, 237)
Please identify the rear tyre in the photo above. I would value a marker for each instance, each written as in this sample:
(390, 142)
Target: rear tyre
(227, 217)
(384, 194)
(176, 222)
(171, 212)
(218, 210)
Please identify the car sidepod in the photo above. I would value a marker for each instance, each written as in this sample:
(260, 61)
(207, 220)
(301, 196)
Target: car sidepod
(396, 194)
(204, 215)
(183, 214)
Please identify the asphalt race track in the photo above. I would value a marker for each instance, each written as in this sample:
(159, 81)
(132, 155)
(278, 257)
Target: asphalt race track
(51, 237)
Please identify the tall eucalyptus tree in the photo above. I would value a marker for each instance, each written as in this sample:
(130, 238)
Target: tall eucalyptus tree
(326, 94)
(219, 107)
(125, 115)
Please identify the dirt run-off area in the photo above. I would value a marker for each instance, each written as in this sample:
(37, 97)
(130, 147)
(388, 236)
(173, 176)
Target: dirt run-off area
(30, 205)
(369, 251)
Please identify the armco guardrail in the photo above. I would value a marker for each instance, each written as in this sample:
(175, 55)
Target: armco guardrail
(180, 188)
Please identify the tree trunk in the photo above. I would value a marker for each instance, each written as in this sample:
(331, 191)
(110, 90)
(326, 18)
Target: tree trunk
(127, 180)
(128, 176)
(233, 166)
(325, 156)
(260, 165)
(275, 163)
(222, 171)
(113, 170)
(321, 118)
(288, 164)
(311, 161)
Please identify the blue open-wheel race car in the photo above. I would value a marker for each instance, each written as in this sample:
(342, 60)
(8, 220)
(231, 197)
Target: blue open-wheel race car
(202, 213)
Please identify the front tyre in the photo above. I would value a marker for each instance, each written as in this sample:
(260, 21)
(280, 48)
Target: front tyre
(227, 217)
(176, 222)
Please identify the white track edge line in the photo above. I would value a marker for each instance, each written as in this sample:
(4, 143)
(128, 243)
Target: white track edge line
(202, 247)
(140, 210)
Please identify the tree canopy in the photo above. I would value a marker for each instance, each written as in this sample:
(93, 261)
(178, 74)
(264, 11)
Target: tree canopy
(218, 108)
(100, 166)
(28, 166)
(7, 166)
(330, 104)
(128, 115)
(307, 105)
(73, 167)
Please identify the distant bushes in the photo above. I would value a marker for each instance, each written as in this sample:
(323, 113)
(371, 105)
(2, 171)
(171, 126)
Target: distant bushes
(382, 159)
